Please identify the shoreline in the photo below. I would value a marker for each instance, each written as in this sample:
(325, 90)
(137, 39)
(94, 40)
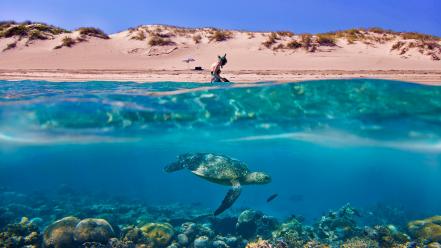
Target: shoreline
(426, 77)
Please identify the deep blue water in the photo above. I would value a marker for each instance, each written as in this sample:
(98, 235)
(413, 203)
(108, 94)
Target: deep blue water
(325, 143)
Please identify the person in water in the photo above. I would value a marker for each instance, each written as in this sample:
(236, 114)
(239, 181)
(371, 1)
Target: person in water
(216, 69)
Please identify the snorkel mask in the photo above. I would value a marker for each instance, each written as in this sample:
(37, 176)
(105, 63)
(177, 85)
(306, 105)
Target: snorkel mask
(223, 59)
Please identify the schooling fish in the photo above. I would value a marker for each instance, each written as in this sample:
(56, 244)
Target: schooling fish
(272, 197)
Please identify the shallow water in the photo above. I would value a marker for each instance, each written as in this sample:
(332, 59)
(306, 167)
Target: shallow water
(325, 143)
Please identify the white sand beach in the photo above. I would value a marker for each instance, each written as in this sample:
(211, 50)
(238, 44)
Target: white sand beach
(130, 56)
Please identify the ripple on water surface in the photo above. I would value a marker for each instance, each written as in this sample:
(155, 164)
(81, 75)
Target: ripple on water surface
(363, 111)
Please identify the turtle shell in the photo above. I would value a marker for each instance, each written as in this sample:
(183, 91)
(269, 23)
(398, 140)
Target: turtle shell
(214, 167)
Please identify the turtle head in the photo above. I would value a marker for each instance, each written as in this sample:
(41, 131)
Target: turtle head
(257, 178)
(177, 165)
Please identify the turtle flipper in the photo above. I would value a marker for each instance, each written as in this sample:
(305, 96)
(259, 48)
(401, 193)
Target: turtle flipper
(229, 199)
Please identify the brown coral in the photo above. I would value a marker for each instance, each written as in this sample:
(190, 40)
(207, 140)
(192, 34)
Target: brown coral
(260, 243)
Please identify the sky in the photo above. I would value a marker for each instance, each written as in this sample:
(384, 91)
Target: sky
(298, 16)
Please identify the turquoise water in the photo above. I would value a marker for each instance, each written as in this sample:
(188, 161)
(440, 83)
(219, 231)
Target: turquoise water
(325, 143)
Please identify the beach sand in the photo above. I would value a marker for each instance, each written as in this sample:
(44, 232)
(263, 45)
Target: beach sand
(123, 58)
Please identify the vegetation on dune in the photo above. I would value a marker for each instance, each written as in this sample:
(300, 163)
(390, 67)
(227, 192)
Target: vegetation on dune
(220, 35)
(156, 40)
(418, 36)
(272, 39)
(140, 35)
(30, 30)
(279, 47)
(400, 42)
(94, 32)
(306, 40)
(162, 34)
(398, 45)
(20, 31)
(48, 28)
(37, 35)
(197, 38)
(378, 30)
(352, 35)
(326, 40)
(429, 48)
(66, 42)
(294, 44)
(378, 35)
(285, 33)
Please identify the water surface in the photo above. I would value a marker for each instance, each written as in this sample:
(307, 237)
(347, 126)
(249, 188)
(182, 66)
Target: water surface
(325, 143)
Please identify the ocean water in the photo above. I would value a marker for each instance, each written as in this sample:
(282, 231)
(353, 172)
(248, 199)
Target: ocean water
(325, 143)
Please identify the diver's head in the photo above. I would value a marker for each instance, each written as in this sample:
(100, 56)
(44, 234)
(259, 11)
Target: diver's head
(223, 59)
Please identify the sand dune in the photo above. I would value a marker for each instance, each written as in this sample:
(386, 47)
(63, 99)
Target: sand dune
(136, 50)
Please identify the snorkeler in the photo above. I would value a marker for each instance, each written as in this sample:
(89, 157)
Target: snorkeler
(215, 69)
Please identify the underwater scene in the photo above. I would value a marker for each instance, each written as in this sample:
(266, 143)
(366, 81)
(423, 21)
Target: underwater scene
(330, 163)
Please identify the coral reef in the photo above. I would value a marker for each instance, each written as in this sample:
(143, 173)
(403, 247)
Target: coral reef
(93, 230)
(360, 243)
(293, 233)
(138, 225)
(259, 244)
(160, 233)
(385, 236)
(22, 234)
(427, 229)
(338, 225)
(61, 233)
(251, 223)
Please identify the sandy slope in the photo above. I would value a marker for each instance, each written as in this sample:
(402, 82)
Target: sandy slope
(95, 58)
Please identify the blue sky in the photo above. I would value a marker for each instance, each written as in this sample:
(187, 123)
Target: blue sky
(294, 15)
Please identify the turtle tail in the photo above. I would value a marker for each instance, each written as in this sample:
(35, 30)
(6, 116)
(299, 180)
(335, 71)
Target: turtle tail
(175, 166)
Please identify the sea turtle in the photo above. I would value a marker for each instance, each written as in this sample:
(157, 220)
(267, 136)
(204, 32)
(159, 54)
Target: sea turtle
(219, 169)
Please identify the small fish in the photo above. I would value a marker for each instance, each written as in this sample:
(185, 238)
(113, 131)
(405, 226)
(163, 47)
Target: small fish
(271, 197)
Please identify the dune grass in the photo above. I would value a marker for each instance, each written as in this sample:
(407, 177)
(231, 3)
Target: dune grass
(67, 42)
(418, 36)
(285, 33)
(428, 47)
(31, 30)
(140, 35)
(251, 35)
(326, 39)
(197, 38)
(156, 40)
(20, 31)
(220, 35)
(271, 40)
(94, 32)
(294, 44)
(37, 35)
